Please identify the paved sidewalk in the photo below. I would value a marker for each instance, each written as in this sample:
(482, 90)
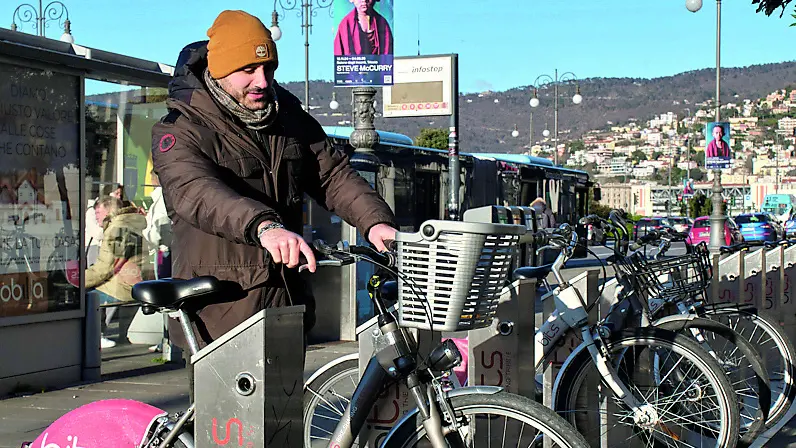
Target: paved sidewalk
(128, 371)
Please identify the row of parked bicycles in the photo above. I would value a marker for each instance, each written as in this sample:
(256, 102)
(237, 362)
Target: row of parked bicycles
(660, 367)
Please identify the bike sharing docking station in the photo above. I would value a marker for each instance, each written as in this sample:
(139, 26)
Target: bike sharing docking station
(395, 401)
(504, 354)
(760, 278)
(250, 382)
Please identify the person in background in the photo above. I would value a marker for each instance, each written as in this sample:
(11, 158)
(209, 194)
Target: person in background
(544, 214)
(158, 234)
(122, 260)
(158, 230)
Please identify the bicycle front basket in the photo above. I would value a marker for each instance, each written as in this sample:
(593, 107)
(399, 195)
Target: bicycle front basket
(453, 273)
(677, 277)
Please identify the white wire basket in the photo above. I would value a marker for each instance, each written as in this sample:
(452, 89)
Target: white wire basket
(453, 273)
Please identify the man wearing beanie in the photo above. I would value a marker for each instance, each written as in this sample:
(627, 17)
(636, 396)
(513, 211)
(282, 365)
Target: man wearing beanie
(235, 155)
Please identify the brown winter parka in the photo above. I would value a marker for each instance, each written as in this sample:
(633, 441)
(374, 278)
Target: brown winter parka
(221, 180)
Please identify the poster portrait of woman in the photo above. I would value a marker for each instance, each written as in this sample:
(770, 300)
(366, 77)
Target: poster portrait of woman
(363, 31)
(717, 152)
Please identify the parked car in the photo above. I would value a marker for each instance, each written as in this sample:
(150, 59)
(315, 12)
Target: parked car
(759, 226)
(644, 225)
(700, 231)
(681, 223)
(596, 235)
(790, 227)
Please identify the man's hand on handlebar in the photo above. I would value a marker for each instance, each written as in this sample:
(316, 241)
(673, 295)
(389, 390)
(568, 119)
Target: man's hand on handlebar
(287, 247)
(380, 234)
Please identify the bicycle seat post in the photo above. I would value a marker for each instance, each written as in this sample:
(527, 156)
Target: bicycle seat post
(185, 323)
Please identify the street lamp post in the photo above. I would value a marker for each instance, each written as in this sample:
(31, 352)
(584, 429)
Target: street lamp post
(308, 10)
(671, 163)
(27, 13)
(555, 80)
(687, 164)
(717, 217)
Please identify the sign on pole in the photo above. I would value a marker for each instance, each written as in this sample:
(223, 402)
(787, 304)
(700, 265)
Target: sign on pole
(422, 86)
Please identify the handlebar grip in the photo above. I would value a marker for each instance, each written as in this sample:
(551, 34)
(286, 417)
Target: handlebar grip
(591, 219)
(541, 238)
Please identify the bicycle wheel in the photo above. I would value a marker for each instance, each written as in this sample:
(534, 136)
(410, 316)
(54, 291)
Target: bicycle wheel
(492, 420)
(687, 400)
(774, 347)
(741, 363)
(325, 400)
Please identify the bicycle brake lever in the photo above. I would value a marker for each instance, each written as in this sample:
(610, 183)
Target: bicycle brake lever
(321, 263)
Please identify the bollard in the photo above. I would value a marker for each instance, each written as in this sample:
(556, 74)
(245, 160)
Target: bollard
(753, 279)
(502, 354)
(92, 359)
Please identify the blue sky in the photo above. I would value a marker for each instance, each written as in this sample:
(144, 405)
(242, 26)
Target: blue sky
(500, 44)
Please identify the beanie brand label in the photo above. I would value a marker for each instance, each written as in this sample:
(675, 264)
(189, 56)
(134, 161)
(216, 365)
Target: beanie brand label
(261, 51)
(167, 142)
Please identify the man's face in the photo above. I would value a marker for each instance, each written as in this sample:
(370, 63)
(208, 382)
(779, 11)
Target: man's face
(363, 6)
(251, 86)
(100, 213)
(718, 132)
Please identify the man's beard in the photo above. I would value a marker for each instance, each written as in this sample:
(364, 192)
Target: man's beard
(243, 99)
(259, 104)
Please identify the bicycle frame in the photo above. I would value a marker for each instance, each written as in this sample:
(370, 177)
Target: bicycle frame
(571, 314)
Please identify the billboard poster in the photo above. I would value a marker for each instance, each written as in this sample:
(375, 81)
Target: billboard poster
(688, 188)
(423, 86)
(363, 43)
(717, 152)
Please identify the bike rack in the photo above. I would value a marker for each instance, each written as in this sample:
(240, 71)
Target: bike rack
(787, 304)
(502, 354)
(774, 279)
(251, 390)
(754, 283)
(726, 284)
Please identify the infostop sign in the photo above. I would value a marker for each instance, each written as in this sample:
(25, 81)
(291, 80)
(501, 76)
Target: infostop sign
(422, 86)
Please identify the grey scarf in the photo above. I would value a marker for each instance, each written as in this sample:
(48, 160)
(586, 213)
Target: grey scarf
(253, 119)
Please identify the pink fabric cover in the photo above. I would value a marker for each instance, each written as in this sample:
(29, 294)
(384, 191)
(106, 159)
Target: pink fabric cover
(103, 424)
(461, 370)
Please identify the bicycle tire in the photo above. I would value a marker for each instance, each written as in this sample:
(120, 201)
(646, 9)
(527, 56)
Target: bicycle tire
(751, 425)
(573, 375)
(781, 356)
(563, 435)
(317, 407)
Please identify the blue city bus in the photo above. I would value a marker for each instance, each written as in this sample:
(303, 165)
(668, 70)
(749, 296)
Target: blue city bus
(779, 205)
(415, 181)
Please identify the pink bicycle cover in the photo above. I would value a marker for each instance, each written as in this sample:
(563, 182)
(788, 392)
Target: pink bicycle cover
(461, 369)
(114, 423)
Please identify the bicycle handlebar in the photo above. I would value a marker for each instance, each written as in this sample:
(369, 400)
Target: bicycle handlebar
(344, 254)
(732, 248)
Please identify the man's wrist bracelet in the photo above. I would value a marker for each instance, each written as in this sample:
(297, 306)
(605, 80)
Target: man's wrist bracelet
(267, 227)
